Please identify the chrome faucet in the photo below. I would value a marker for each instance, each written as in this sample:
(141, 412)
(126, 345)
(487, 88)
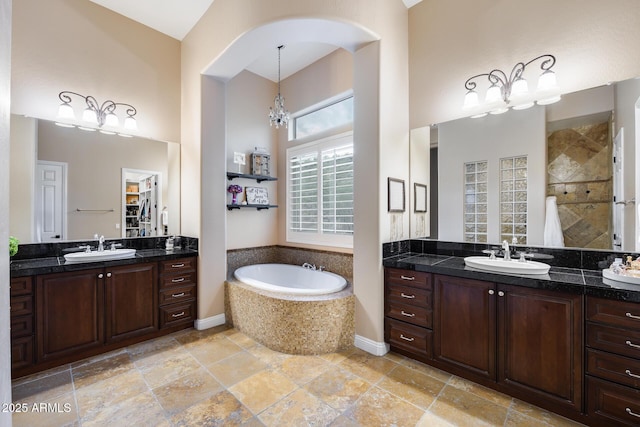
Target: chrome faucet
(309, 266)
(101, 244)
(507, 250)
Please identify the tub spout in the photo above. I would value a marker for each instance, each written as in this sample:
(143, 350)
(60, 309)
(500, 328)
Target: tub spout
(309, 266)
(321, 268)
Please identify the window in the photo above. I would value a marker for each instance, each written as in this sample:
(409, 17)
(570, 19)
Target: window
(320, 192)
(475, 202)
(330, 116)
(513, 199)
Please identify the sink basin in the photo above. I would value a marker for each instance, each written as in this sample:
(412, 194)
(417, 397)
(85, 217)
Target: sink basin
(499, 265)
(105, 255)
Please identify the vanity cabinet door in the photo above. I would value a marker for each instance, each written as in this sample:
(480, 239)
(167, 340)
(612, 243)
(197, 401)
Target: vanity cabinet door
(131, 294)
(69, 313)
(540, 341)
(465, 325)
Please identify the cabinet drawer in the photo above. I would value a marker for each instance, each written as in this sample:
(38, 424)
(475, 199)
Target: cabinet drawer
(22, 305)
(408, 337)
(21, 352)
(176, 314)
(178, 265)
(419, 316)
(408, 295)
(412, 278)
(612, 404)
(615, 340)
(180, 280)
(21, 326)
(612, 312)
(174, 295)
(614, 367)
(21, 286)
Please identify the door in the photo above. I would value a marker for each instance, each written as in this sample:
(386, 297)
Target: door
(619, 203)
(132, 301)
(50, 201)
(465, 324)
(540, 343)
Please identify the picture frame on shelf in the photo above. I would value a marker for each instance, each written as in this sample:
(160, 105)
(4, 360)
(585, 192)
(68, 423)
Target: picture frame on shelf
(257, 195)
(395, 195)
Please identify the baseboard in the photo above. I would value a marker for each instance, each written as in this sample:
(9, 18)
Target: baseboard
(370, 346)
(209, 322)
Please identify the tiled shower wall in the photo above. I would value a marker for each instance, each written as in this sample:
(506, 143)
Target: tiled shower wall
(334, 262)
(579, 174)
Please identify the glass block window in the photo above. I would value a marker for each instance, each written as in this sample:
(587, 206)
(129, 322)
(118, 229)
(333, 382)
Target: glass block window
(513, 199)
(475, 202)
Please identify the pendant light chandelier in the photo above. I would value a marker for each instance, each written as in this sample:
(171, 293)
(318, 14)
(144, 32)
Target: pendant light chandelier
(278, 114)
(512, 91)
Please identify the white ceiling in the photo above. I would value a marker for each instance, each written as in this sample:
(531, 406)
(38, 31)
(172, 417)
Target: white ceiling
(176, 18)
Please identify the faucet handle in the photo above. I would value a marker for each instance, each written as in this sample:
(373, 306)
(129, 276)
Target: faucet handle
(524, 256)
(491, 252)
(87, 248)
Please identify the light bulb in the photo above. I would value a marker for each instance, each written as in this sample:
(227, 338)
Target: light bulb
(519, 87)
(130, 123)
(111, 120)
(494, 94)
(547, 80)
(89, 115)
(65, 111)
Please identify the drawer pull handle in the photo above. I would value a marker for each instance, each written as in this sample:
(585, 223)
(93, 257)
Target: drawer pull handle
(178, 315)
(181, 294)
(177, 265)
(628, 372)
(632, 316)
(404, 313)
(178, 280)
(403, 295)
(406, 338)
(630, 344)
(630, 412)
(407, 278)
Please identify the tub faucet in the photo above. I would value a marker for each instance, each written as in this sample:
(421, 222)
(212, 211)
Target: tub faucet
(321, 268)
(507, 250)
(309, 266)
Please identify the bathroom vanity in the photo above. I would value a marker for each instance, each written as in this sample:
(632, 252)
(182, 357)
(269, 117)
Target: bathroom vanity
(564, 341)
(63, 312)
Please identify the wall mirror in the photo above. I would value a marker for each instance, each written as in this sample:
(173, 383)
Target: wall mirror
(569, 148)
(83, 173)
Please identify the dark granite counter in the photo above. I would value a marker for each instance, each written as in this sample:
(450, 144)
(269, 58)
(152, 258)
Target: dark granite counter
(573, 280)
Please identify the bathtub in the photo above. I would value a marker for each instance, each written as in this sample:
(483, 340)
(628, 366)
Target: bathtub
(290, 279)
(291, 309)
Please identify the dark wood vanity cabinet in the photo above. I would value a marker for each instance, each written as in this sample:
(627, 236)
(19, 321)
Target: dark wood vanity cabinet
(22, 324)
(523, 341)
(408, 308)
(177, 292)
(131, 294)
(613, 362)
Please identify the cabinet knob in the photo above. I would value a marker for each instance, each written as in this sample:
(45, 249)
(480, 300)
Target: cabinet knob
(100, 276)
(500, 293)
(108, 274)
(491, 292)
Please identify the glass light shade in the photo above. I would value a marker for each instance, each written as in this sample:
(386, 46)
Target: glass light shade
(107, 132)
(471, 99)
(500, 110)
(86, 129)
(124, 135)
(90, 116)
(551, 100)
(547, 80)
(519, 87)
(523, 106)
(65, 111)
(494, 94)
(478, 116)
(64, 125)
(130, 123)
(111, 120)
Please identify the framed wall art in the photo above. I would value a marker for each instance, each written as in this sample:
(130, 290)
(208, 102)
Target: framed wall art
(257, 195)
(419, 197)
(395, 194)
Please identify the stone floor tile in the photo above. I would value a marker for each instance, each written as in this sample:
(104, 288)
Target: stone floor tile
(429, 419)
(462, 408)
(481, 391)
(59, 411)
(211, 351)
(542, 415)
(177, 395)
(412, 386)
(100, 369)
(44, 388)
(338, 388)
(167, 370)
(141, 410)
(262, 390)
(302, 369)
(300, 408)
(367, 366)
(221, 409)
(236, 368)
(379, 408)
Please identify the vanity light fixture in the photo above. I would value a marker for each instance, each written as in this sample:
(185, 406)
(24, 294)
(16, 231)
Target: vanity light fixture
(103, 116)
(512, 91)
(278, 114)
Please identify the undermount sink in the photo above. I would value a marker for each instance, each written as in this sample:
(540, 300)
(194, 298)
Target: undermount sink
(499, 265)
(106, 255)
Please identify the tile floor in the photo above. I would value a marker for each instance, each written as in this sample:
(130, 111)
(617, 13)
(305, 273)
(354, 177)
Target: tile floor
(221, 377)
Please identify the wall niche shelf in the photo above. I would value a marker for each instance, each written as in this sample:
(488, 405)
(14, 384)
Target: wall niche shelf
(258, 178)
(258, 207)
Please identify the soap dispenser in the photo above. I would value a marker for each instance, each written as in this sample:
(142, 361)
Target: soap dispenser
(169, 243)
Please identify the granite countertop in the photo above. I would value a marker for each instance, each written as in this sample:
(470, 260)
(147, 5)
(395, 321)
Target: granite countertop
(574, 280)
(58, 264)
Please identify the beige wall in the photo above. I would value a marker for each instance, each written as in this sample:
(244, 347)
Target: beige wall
(381, 136)
(24, 149)
(79, 46)
(248, 99)
(451, 41)
(95, 163)
(5, 102)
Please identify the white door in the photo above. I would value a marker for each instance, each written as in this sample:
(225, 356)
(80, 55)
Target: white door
(50, 194)
(619, 203)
